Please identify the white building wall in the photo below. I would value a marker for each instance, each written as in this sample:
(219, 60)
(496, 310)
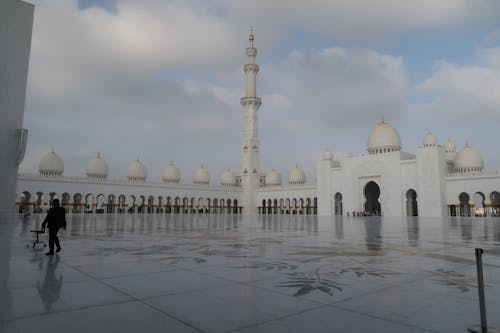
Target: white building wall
(323, 187)
(355, 172)
(285, 192)
(471, 184)
(408, 181)
(16, 20)
(431, 172)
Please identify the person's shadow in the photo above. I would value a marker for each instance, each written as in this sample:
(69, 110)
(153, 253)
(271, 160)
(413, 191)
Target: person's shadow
(50, 288)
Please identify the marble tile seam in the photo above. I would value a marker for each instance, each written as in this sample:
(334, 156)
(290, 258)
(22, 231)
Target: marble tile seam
(381, 318)
(142, 301)
(263, 322)
(14, 319)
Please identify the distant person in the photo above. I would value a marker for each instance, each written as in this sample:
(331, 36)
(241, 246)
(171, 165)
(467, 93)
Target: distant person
(56, 218)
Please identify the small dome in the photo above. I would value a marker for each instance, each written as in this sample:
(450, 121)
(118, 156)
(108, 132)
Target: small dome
(51, 165)
(383, 138)
(201, 176)
(296, 176)
(171, 174)
(273, 178)
(430, 140)
(327, 155)
(97, 168)
(449, 147)
(468, 159)
(450, 150)
(228, 178)
(137, 171)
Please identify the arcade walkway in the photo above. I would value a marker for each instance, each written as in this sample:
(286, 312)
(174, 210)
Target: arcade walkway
(226, 273)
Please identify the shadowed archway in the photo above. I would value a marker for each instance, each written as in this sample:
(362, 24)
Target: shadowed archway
(372, 193)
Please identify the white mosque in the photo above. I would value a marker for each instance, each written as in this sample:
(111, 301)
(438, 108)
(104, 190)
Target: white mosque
(433, 182)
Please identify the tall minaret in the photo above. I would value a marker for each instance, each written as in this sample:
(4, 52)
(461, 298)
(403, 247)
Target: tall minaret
(251, 156)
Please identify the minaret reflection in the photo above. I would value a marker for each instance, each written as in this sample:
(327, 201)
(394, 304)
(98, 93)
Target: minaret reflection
(50, 289)
(373, 226)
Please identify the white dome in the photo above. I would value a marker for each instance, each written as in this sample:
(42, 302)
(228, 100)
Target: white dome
(273, 178)
(97, 168)
(327, 155)
(468, 159)
(296, 176)
(383, 138)
(430, 140)
(51, 165)
(137, 171)
(201, 176)
(171, 174)
(228, 178)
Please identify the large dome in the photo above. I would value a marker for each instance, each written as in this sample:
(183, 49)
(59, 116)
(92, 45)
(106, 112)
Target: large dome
(51, 165)
(296, 176)
(273, 178)
(468, 159)
(137, 171)
(97, 168)
(430, 140)
(228, 178)
(171, 174)
(201, 176)
(383, 138)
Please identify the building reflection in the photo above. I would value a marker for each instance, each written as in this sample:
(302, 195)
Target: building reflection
(339, 226)
(466, 229)
(413, 230)
(373, 237)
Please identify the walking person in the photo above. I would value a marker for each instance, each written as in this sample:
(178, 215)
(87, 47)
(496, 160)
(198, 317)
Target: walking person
(56, 218)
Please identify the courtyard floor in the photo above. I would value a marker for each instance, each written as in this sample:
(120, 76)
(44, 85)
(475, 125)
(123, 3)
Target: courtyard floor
(229, 273)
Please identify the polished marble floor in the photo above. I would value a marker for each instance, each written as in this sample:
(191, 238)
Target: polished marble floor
(227, 273)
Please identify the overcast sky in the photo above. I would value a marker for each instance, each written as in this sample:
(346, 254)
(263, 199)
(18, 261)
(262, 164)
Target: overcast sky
(162, 80)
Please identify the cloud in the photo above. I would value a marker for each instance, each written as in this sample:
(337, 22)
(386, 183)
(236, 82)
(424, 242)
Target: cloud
(362, 19)
(465, 91)
(336, 86)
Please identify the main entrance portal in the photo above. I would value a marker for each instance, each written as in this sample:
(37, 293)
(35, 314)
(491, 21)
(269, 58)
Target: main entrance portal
(372, 193)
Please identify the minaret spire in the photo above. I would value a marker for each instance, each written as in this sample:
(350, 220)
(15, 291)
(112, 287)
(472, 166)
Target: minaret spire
(251, 145)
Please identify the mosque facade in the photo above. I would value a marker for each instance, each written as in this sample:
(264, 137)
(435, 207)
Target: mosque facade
(435, 181)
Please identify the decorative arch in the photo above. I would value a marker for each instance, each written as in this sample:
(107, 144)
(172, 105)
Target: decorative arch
(479, 207)
(338, 203)
(77, 203)
(495, 203)
(411, 203)
(464, 204)
(372, 194)
(100, 204)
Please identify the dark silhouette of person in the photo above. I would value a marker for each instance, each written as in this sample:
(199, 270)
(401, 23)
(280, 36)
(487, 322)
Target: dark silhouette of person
(50, 288)
(55, 219)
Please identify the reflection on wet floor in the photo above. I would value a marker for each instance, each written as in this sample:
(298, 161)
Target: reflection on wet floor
(230, 272)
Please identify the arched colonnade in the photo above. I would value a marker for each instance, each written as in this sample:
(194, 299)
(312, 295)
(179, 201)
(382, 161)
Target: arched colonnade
(90, 203)
(303, 206)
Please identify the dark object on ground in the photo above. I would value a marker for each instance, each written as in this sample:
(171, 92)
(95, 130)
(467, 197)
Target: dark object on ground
(37, 240)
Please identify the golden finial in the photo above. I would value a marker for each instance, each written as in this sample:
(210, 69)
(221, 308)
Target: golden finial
(251, 37)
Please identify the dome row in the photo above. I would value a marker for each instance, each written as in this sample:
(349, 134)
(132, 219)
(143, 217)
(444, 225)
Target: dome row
(53, 165)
